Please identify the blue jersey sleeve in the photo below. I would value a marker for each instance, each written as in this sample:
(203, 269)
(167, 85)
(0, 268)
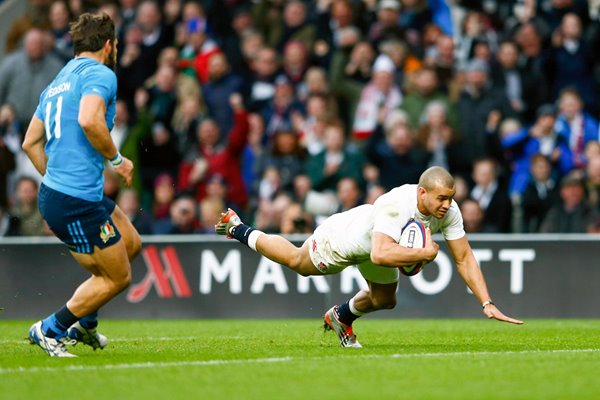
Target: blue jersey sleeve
(100, 81)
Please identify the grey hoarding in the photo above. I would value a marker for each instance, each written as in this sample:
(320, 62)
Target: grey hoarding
(206, 277)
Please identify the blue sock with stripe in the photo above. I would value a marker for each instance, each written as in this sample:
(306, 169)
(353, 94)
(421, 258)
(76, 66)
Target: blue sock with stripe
(56, 325)
(90, 321)
(345, 315)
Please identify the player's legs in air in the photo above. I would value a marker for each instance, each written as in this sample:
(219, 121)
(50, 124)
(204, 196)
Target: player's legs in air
(274, 247)
(381, 294)
(103, 241)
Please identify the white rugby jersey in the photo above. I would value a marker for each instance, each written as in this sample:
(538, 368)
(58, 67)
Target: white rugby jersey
(347, 235)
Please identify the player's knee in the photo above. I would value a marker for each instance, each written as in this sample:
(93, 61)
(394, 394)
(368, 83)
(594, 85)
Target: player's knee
(298, 262)
(135, 248)
(120, 282)
(384, 302)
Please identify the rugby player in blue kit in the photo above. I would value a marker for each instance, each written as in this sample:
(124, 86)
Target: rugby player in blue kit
(68, 141)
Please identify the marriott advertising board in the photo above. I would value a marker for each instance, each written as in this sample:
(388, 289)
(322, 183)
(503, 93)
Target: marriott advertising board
(202, 276)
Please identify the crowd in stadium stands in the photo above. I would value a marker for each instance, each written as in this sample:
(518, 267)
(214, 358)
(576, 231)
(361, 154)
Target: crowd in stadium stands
(291, 110)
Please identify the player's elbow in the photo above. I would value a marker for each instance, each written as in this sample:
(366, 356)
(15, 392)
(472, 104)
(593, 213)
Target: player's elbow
(86, 122)
(27, 146)
(378, 258)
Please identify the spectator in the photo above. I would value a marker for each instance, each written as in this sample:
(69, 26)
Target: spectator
(183, 218)
(215, 157)
(349, 193)
(286, 156)
(35, 16)
(378, 98)
(335, 162)
(270, 212)
(295, 220)
(395, 155)
(477, 100)
(158, 154)
(163, 196)
(571, 61)
(424, 89)
(437, 137)
(140, 53)
(441, 59)
(539, 138)
(540, 194)
(404, 61)
(336, 29)
(242, 26)
(573, 214)
(128, 201)
(534, 67)
(25, 73)
(386, 26)
(295, 63)
(7, 224)
(312, 127)
(474, 30)
(279, 111)
(373, 193)
(507, 76)
(279, 28)
(210, 211)
(163, 96)
(461, 189)
(350, 70)
(262, 83)
(8, 141)
(60, 16)
(220, 86)
(592, 182)
(473, 217)
(492, 195)
(577, 126)
(25, 209)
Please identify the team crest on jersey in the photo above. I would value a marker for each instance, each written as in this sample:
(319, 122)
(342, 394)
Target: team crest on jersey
(107, 231)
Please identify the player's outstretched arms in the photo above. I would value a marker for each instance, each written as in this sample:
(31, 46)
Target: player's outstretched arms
(492, 312)
(125, 169)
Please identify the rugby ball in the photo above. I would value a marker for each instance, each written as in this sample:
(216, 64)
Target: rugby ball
(413, 236)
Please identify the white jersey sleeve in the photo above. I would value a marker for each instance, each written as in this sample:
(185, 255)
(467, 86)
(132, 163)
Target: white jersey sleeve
(394, 209)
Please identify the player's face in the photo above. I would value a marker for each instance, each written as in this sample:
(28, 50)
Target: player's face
(436, 202)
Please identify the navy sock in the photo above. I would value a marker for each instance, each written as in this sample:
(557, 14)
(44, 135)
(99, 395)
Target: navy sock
(90, 321)
(56, 325)
(345, 315)
(241, 233)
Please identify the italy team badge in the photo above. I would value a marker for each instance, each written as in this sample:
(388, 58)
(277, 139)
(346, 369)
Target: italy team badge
(106, 232)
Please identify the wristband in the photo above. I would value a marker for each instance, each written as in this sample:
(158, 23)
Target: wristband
(117, 160)
(487, 303)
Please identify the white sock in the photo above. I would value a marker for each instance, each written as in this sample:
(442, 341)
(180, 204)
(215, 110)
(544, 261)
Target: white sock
(353, 309)
(253, 237)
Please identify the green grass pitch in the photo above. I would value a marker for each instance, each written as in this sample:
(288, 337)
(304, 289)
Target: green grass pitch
(294, 359)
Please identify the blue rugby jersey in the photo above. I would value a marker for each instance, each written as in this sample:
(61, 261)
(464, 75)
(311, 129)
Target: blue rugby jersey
(74, 166)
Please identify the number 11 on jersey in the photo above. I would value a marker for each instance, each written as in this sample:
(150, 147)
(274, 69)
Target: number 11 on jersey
(56, 132)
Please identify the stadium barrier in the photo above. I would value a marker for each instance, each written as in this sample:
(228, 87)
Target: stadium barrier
(529, 276)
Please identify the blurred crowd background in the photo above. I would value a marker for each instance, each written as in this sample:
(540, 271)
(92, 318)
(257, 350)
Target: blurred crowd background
(290, 110)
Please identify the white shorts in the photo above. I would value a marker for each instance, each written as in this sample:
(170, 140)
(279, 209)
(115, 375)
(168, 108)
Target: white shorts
(323, 256)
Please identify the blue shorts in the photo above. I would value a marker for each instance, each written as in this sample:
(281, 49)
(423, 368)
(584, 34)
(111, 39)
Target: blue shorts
(80, 224)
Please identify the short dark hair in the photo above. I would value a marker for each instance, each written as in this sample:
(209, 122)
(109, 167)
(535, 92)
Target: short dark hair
(91, 31)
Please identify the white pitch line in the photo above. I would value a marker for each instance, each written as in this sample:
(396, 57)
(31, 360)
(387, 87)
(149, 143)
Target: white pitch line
(200, 363)
(144, 338)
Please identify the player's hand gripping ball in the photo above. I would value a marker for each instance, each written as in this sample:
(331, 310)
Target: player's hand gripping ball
(413, 236)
